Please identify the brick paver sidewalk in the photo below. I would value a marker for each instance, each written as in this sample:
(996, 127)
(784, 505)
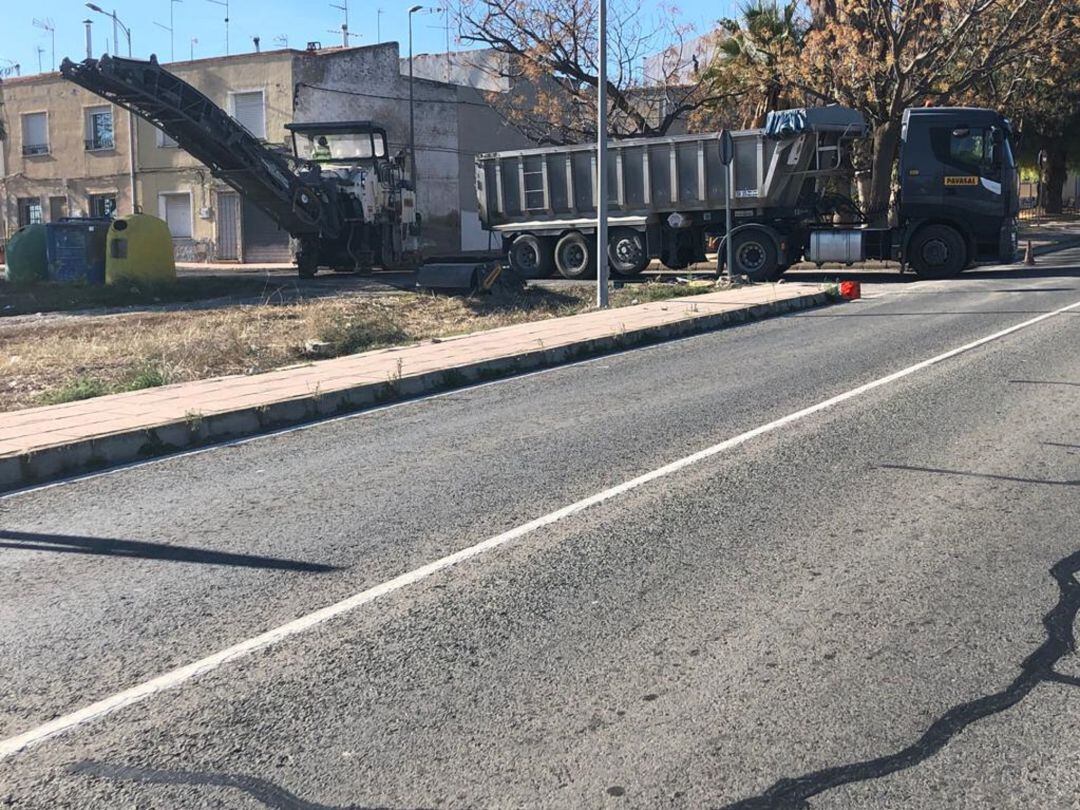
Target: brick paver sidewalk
(70, 436)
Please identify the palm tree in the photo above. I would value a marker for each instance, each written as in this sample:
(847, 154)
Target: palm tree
(753, 48)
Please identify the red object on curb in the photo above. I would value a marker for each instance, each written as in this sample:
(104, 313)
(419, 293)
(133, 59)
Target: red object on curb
(849, 290)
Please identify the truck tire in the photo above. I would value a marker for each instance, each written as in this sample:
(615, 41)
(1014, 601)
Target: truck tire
(754, 256)
(531, 256)
(627, 255)
(937, 251)
(574, 256)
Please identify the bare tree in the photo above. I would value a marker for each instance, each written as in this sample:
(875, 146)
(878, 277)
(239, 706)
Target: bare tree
(550, 49)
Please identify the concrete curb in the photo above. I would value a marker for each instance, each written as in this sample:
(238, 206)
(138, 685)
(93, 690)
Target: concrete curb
(80, 456)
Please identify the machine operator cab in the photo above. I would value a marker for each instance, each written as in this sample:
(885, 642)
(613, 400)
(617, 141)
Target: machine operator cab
(957, 166)
(357, 154)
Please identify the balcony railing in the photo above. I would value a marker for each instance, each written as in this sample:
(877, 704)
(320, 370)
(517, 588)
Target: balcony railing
(97, 146)
(35, 149)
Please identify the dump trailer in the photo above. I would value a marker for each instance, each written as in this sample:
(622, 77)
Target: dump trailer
(789, 196)
(345, 203)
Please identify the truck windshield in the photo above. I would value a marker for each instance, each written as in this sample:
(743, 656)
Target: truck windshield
(340, 146)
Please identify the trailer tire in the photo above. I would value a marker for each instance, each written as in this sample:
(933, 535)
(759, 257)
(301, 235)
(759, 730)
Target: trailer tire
(937, 251)
(531, 256)
(754, 255)
(574, 257)
(627, 254)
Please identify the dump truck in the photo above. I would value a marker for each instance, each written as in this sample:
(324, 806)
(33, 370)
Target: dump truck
(345, 202)
(790, 196)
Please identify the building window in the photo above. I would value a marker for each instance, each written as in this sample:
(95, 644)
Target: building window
(250, 110)
(175, 209)
(29, 211)
(103, 206)
(35, 132)
(99, 128)
(57, 208)
(164, 141)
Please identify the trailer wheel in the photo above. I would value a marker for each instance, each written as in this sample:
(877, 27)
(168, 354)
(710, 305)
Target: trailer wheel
(574, 256)
(626, 252)
(754, 256)
(531, 256)
(937, 251)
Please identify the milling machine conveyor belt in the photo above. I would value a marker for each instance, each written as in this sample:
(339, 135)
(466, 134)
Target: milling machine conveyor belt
(267, 178)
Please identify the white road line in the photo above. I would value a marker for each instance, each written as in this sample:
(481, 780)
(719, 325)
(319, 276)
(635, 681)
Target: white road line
(176, 677)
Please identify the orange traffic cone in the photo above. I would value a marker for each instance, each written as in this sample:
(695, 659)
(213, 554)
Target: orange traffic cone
(1029, 255)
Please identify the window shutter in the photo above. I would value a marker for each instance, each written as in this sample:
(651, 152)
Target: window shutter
(35, 129)
(250, 111)
(178, 215)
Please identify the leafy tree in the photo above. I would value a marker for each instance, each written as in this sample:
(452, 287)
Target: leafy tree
(751, 56)
(882, 56)
(1044, 101)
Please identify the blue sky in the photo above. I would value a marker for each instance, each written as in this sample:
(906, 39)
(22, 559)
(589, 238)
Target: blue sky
(299, 20)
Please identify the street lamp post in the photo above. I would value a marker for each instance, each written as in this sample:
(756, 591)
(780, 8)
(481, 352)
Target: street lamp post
(412, 117)
(131, 116)
(601, 164)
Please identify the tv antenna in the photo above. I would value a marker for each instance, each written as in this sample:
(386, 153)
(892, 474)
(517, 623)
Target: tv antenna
(282, 40)
(48, 26)
(12, 67)
(225, 4)
(345, 33)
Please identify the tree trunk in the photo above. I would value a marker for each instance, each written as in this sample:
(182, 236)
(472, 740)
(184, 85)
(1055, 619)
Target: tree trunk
(886, 144)
(1056, 173)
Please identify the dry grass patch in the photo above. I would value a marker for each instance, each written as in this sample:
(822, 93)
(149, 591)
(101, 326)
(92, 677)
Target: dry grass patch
(61, 358)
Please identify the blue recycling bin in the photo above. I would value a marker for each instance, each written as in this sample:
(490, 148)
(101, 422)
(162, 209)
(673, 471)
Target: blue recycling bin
(75, 250)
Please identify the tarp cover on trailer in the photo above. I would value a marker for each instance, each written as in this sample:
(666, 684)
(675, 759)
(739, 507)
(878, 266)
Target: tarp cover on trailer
(787, 123)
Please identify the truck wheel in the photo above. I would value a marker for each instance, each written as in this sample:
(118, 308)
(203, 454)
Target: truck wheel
(573, 256)
(937, 251)
(530, 256)
(626, 252)
(754, 256)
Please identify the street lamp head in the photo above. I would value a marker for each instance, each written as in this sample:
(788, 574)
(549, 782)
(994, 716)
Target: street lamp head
(415, 9)
(93, 7)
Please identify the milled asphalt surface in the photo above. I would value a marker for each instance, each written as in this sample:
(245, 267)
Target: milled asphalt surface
(804, 607)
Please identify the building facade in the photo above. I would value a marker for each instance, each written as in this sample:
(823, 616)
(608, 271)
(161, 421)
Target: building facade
(68, 153)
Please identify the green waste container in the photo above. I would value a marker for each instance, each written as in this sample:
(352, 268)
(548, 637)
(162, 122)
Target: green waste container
(26, 255)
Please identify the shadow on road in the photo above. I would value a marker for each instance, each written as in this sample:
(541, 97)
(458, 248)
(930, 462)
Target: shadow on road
(1044, 382)
(261, 790)
(989, 476)
(1036, 669)
(71, 544)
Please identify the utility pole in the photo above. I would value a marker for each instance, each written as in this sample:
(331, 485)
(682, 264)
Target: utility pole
(378, 25)
(601, 165)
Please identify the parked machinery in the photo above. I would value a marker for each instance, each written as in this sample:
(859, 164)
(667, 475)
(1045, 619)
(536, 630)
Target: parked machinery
(789, 195)
(344, 201)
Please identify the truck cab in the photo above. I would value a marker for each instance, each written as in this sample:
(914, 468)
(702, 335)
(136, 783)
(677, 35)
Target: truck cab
(957, 174)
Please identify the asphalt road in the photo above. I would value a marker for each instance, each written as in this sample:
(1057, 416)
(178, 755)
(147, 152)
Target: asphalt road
(868, 606)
